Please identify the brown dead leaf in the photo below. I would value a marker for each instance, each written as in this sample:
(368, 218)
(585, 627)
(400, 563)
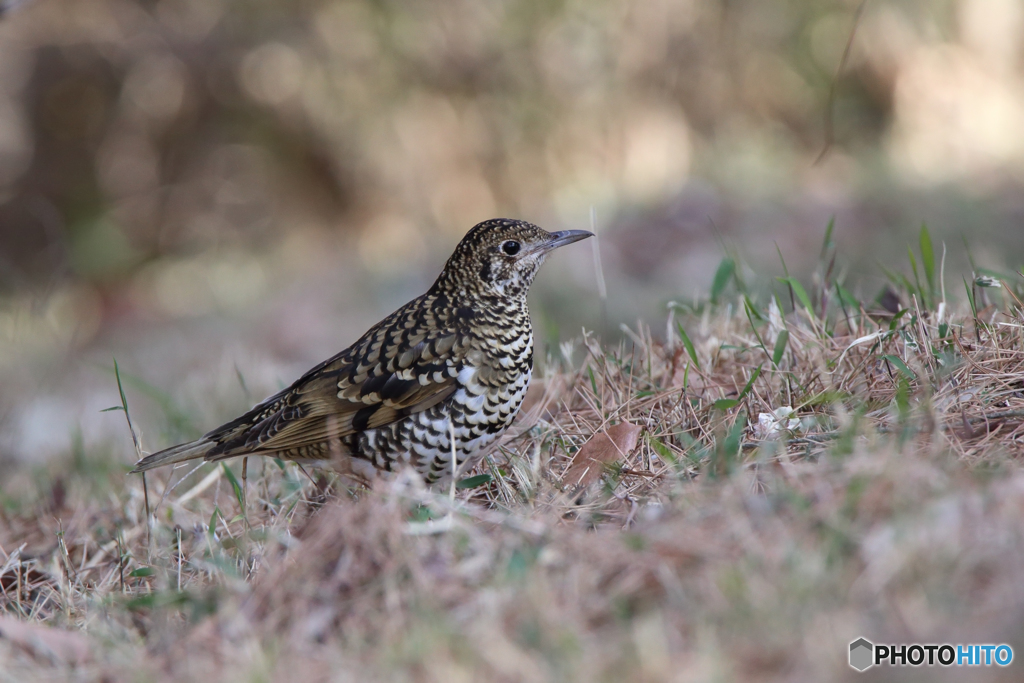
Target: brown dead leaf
(44, 642)
(605, 447)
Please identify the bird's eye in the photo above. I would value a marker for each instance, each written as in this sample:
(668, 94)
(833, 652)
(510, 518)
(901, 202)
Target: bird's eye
(510, 247)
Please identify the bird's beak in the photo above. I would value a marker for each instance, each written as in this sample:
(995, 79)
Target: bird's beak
(560, 239)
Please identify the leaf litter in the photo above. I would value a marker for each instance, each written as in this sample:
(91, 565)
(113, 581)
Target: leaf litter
(713, 548)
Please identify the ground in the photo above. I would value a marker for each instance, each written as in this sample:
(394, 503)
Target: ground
(740, 499)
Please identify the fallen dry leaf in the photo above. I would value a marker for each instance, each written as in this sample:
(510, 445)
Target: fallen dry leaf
(43, 642)
(613, 444)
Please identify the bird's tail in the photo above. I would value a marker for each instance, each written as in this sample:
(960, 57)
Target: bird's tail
(180, 453)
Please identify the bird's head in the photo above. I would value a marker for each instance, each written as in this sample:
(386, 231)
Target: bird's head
(501, 257)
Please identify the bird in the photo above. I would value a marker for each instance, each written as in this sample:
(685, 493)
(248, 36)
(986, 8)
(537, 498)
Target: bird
(451, 365)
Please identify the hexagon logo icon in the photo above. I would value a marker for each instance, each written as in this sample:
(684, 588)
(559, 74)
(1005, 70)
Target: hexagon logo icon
(861, 654)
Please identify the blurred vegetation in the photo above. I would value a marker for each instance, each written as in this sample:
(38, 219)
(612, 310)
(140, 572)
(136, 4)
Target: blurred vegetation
(135, 131)
(220, 193)
(175, 161)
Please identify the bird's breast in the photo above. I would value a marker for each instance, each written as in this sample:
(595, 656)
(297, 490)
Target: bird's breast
(490, 408)
(493, 382)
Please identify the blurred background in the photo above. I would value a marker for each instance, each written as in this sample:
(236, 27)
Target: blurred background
(220, 194)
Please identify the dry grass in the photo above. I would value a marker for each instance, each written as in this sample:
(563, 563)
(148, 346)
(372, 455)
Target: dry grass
(736, 541)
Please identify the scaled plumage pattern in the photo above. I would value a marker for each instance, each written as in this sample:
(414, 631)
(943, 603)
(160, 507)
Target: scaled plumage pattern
(457, 359)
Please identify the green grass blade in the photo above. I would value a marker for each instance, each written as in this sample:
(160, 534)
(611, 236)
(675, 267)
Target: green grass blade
(663, 451)
(827, 243)
(917, 288)
(688, 344)
(901, 366)
(176, 417)
(798, 290)
(474, 482)
(751, 314)
(234, 484)
(212, 529)
(733, 439)
(893, 324)
(727, 449)
(846, 297)
(801, 294)
(785, 270)
(780, 346)
(124, 407)
(752, 310)
(927, 257)
(725, 271)
(750, 383)
(970, 299)
(726, 403)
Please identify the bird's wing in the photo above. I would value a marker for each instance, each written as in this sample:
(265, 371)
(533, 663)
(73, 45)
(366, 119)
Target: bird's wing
(402, 366)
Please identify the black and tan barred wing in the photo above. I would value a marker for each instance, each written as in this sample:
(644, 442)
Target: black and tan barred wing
(404, 365)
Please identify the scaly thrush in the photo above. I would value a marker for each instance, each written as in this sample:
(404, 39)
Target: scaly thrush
(456, 360)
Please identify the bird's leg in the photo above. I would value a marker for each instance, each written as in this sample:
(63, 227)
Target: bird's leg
(149, 524)
(455, 466)
(245, 487)
(320, 490)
